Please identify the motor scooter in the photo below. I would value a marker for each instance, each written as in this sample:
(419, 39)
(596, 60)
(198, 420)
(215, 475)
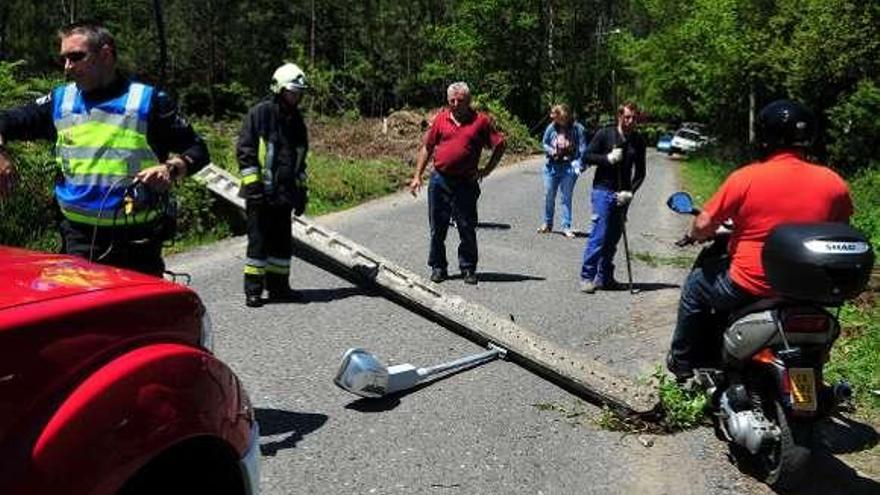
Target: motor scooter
(763, 374)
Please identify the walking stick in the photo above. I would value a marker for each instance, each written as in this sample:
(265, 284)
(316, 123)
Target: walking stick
(629, 273)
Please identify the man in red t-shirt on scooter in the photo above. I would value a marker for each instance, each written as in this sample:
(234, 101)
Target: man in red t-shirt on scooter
(782, 188)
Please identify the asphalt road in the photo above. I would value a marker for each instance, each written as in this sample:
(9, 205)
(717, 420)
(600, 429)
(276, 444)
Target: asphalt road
(492, 429)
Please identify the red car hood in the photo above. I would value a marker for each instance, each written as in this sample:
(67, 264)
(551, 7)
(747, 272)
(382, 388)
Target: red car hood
(27, 277)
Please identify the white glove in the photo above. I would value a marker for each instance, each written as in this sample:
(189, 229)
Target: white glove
(577, 167)
(623, 198)
(615, 156)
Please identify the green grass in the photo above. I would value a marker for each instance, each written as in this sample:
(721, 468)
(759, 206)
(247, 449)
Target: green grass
(701, 177)
(337, 184)
(573, 415)
(682, 409)
(655, 260)
(334, 183)
(856, 356)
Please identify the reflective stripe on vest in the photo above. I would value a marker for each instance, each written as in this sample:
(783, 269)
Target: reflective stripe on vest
(100, 148)
(266, 157)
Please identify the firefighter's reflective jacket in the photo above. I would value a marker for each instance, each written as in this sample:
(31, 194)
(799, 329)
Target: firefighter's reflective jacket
(271, 151)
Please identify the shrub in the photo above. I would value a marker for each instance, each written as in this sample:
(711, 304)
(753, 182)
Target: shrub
(28, 218)
(653, 130)
(854, 128)
(864, 186)
(683, 409)
(515, 132)
(221, 101)
(14, 92)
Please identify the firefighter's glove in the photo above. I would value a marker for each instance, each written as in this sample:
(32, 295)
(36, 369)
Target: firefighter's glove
(623, 198)
(615, 157)
(300, 200)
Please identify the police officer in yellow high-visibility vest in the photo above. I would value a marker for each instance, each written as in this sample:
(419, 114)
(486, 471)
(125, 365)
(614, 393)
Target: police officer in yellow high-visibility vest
(117, 144)
(272, 148)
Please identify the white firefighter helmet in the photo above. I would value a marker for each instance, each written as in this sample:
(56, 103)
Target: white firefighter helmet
(289, 77)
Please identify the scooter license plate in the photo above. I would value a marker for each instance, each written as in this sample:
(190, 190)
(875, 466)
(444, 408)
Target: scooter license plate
(803, 389)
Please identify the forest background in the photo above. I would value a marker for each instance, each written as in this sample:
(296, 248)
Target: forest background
(710, 61)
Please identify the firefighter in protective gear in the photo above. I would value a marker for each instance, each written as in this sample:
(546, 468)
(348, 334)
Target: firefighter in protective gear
(271, 150)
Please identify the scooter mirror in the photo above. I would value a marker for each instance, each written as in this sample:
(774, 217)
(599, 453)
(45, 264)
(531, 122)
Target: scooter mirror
(681, 202)
(361, 373)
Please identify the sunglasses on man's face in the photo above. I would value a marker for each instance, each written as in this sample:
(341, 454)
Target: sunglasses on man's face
(74, 57)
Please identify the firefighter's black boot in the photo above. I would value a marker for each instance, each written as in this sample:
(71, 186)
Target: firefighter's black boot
(279, 288)
(253, 290)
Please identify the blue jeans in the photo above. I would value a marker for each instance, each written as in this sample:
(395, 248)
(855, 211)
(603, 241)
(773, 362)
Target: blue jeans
(707, 298)
(562, 178)
(598, 260)
(452, 197)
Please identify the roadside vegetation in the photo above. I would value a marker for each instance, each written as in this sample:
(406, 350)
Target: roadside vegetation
(352, 160)
(682, 409)
(656, 260)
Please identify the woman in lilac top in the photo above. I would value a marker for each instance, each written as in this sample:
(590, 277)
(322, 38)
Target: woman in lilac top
(565, 144)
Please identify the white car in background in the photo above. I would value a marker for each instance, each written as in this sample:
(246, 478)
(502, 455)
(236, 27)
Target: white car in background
(687, 140)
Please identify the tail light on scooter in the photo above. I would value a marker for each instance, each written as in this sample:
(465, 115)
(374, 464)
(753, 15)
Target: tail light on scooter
(765, 356)
(806, 323)
(768, 358)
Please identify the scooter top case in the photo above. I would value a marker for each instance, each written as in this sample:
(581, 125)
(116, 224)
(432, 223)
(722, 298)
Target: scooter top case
(823, 263)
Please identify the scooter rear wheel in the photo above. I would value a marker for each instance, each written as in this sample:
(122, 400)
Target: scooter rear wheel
(782, 464)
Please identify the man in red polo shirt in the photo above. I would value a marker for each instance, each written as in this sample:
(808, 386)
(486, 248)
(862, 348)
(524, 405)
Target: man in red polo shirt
(456, 139)
(783, 188)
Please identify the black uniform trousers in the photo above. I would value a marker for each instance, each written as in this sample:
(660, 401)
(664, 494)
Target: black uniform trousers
(269, 248)
(133, 247)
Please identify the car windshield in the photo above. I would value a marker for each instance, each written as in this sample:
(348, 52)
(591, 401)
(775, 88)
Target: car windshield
(693, 136)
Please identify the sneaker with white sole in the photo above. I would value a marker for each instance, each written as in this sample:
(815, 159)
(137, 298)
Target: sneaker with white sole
(588, 286)
(568, 233)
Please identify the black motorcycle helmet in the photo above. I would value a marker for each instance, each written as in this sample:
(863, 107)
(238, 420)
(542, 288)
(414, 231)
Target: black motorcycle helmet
(785, 124)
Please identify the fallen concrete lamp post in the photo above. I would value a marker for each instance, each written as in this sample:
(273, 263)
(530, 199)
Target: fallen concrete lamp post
(361, 372)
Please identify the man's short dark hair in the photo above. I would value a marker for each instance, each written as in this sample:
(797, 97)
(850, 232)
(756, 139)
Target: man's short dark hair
(97, 35)
(632, 107)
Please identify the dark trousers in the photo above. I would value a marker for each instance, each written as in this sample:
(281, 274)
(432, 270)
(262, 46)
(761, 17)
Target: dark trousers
(131, 247)
(456, 198)
(707, 298)
(269, 248)
(598, 259)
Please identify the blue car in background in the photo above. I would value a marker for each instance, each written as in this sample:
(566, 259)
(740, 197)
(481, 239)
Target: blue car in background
(664, 144)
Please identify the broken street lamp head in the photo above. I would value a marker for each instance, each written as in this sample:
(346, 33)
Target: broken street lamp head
(361, 373)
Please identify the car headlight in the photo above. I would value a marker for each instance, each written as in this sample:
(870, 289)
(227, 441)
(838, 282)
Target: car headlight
(206, 339)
